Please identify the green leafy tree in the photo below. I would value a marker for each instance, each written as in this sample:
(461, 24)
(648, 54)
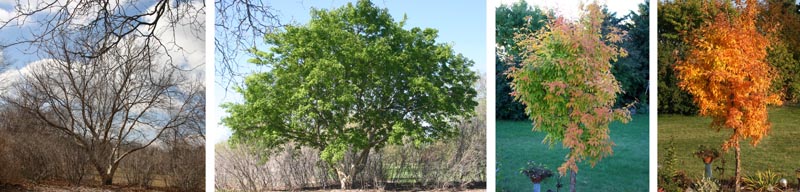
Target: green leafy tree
(566, 84)
(781, 20)
(510, 19)
(352, 81)
(632, 71)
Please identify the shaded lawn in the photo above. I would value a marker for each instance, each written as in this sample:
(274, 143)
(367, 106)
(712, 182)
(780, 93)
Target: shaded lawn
(779, 151)
(625, 170)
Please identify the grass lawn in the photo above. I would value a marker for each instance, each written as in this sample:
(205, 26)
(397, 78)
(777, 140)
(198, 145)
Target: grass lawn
(625, 170)
(779, 151)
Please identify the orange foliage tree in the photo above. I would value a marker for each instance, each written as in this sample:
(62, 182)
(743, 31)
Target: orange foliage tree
(726, 72)
(566, 85)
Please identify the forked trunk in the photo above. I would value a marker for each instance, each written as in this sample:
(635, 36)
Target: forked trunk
(348, 172)
(344, 179)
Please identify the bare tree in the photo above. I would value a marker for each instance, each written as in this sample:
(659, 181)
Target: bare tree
(240, 25)
(111, 21)
(110, 106)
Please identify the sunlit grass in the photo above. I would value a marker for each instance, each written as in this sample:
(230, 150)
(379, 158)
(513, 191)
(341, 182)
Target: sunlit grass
(779, 151)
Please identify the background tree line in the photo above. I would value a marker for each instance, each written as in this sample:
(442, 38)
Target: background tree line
(630, 71)
(779, 20)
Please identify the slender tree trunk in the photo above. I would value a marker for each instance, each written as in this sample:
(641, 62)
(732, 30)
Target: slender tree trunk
(572, 180)
(738, 176)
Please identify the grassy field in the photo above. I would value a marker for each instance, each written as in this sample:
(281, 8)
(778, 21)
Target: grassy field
(626, 170)
(778, 151)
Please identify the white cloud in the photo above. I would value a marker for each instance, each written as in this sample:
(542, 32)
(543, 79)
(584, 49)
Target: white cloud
(5, 15)
(81, 17)
(11, 76)
(184, 40)
(570, 9)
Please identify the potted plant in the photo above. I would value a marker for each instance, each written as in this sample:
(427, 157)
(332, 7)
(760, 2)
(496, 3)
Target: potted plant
(708, 155)
(537, 173)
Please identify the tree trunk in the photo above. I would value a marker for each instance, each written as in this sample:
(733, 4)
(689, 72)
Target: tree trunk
(347, 172)
(344, 179)
(108, 179)
(572, 180)
(106, 173)
(738, 176)
(105, 178)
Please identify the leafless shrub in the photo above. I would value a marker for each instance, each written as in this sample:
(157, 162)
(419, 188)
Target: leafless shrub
(35, 164)
(237, 169)
(140, 170)
(73, 163)
(7, 163)
(26, 152)
(185, 166)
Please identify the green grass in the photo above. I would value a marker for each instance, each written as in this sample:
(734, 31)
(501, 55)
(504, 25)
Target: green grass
(778, 151)
(625, 170)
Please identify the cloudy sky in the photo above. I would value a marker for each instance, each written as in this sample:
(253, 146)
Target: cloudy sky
(184, 43)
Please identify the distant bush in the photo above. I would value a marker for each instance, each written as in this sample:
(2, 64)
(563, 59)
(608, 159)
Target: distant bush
(141, 169)
(453, 163)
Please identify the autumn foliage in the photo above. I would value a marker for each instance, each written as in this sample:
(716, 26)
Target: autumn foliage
(566, 84)
(726, 72)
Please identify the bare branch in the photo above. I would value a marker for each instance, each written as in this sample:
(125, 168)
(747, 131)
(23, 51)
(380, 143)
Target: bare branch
(240, 25)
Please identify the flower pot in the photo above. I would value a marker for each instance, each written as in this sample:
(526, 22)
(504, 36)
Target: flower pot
(707, 160)
(536, 180)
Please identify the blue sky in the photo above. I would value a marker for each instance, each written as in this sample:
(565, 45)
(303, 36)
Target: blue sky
(460, 23)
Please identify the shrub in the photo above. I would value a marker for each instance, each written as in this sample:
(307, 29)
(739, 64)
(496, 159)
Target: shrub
(705, 185)
(73, 163)
(140, 168)
(667, 173)
(185, 167)
(762, 181)
(34, 158)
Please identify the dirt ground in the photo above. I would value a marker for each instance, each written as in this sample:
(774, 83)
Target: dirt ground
(60, 188)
